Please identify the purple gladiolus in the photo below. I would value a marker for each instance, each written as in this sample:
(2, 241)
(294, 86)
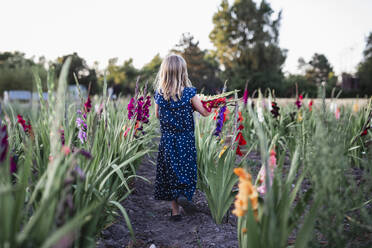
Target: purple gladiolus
(13, 165)
(82, 126)
(4, 146)
(80, 123)
(62, 133)
(79, 172)
(219, 124)
(85, 153)
(82, 136)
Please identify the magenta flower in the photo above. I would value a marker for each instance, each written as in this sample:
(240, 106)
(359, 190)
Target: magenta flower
(131, 108)
(88, 105)
(245, 97)
(26, 128)
(139, 108)
(299, 101)
(146, 112)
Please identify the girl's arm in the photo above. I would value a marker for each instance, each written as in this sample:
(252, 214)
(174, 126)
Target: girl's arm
(196, 102)
(157, 110)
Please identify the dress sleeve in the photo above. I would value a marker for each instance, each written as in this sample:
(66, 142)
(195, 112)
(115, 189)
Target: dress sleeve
(156, 97)
(192, 92)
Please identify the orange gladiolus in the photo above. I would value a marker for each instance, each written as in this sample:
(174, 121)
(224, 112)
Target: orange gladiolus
(247, 194)
(240, 118)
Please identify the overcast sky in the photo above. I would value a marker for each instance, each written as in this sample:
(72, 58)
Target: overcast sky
(99, 30)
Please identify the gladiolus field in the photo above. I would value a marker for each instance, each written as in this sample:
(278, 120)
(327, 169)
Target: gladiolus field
(271, 172)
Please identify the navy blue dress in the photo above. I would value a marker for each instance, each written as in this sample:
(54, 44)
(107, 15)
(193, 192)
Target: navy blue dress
(176, 171)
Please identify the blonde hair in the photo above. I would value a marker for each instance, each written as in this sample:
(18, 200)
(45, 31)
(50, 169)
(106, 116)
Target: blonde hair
(172, 77)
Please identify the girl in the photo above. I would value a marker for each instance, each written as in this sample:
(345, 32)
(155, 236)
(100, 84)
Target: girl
(176, 171)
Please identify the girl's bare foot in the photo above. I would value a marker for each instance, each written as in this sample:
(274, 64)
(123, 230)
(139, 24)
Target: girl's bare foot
(175, 208)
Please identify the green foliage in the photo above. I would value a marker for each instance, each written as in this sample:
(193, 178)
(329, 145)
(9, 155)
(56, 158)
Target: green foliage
(318, 70)
(246, 39)
(57, 195)
(202, 66)
(16, 72)
(215, 169)
(365, 69)
(79, 68)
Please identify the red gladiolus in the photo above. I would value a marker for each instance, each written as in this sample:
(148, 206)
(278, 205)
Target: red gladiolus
(226, 115)
(365, 131)
(238, 152)
(301, 97)
(26, 128)
(240, 127)
(241, 139)
(311, 105)
(208, 105)
(215, 114)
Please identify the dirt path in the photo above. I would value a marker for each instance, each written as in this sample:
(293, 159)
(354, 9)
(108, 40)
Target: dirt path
(150, 221)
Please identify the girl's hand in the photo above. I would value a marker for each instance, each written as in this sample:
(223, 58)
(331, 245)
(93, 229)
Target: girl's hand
(197, 104)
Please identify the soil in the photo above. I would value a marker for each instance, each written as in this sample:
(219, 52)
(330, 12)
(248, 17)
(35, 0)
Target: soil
(151, 224)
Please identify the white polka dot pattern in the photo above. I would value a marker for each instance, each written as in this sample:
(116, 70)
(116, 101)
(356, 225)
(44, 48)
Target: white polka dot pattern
(176, 171)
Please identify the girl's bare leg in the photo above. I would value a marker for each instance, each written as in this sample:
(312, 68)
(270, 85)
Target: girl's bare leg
(175, 208)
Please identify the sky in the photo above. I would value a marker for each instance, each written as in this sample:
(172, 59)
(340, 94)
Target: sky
(99, 30)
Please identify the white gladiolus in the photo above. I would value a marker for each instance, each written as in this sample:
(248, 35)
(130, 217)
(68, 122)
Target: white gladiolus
(332, 107)
(269, 107)
(260, 112)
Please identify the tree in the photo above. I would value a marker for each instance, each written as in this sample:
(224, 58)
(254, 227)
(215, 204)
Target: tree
(16, 72)
(122, 78)
(246, 38)
(149, 71)
(318, 70)
(364, 72)
(203, 68)
(79, 67)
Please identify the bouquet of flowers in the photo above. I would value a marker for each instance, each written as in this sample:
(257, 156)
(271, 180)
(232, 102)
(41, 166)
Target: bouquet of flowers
(217, 101)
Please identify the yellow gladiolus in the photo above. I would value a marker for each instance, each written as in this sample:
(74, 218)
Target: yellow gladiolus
(222, 151)
(222, 141)
(355, 108)
(299, 117)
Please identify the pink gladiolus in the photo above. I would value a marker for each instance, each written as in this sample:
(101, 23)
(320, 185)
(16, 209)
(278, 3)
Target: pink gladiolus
(262, 174)
(337, 113)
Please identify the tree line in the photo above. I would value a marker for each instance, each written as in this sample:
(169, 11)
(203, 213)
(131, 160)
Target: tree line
(246, 40)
